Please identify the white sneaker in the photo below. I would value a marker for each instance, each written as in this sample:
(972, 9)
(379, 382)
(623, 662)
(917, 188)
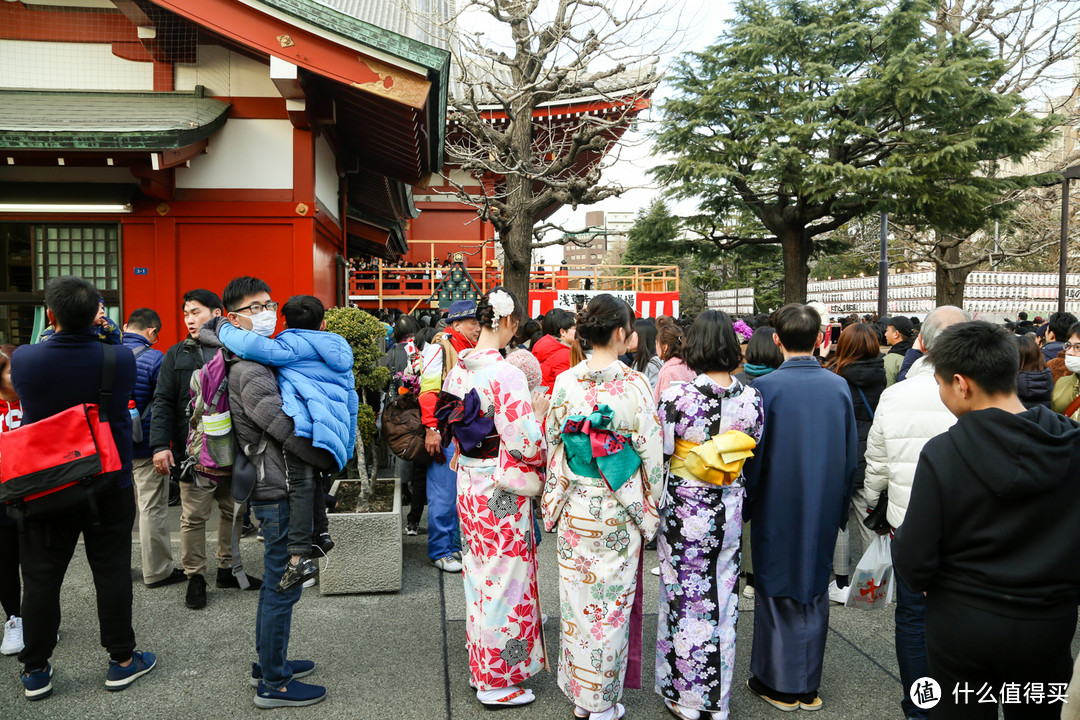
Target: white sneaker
(13, 636)
(447, 564)
(748, 592)
(837, 595)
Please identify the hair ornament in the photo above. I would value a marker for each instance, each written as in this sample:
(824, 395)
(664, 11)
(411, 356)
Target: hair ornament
(501, 305)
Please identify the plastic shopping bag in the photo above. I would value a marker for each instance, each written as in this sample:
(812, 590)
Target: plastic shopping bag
(872, 581)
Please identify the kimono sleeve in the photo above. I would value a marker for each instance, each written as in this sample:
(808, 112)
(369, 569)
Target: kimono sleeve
(521, 449)
(649, 444)
(557, 486)
(668, 416)
(756, 427)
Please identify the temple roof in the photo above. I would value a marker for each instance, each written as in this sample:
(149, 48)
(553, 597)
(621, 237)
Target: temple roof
(67, 120)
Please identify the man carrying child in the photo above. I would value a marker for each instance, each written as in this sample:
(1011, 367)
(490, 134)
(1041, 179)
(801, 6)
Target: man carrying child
(260, 421)
(319, 394)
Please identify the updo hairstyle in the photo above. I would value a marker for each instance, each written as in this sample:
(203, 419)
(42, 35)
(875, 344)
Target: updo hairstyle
(601, 317)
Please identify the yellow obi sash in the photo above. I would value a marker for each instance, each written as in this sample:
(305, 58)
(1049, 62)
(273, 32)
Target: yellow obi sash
(717, 461)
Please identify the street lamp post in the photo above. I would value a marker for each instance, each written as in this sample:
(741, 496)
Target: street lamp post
(883, 269)
(1069, 174)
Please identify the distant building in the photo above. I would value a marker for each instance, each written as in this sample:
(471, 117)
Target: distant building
(606, 234)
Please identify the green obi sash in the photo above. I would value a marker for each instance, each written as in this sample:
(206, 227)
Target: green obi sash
(594, 450)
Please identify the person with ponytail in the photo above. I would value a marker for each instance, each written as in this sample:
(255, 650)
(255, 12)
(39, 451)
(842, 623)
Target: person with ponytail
(669, 348)
(485, 410)
(604, 476)
(701, 522)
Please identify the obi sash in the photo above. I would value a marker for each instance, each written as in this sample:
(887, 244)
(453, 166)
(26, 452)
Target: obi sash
(717, 461)
(594, 450)
(463, 419)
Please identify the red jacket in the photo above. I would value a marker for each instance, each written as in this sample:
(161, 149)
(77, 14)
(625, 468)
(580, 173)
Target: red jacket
(554, 359)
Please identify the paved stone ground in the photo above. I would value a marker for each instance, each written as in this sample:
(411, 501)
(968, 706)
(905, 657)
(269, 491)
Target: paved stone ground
(385, 656)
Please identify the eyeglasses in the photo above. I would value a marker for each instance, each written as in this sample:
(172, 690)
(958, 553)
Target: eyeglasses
(256, 308)
(1071, 347)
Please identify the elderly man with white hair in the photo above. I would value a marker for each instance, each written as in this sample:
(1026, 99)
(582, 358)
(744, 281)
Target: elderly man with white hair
(908, 415)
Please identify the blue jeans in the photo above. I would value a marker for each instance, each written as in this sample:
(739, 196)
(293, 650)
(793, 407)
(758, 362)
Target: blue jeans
(910, 643)
(444, 537)
(273, 620)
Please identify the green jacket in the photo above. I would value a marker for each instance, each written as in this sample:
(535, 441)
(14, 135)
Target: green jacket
(1065, 391)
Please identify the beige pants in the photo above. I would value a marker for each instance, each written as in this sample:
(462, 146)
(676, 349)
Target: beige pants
(152, 500)
(197, 505)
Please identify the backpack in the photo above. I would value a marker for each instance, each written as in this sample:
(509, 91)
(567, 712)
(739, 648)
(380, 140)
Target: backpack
(402, 428)
(136, 415)
(211, 440)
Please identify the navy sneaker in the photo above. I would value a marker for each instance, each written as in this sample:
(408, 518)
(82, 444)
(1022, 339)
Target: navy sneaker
(120, 677)
(300, 668)
(295, 694)
(37, 685)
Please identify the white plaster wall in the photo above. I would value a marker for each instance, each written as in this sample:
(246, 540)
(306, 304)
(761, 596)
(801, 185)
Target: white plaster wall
(327, 186)
(30, 64)
(226, 73)
(252, 154)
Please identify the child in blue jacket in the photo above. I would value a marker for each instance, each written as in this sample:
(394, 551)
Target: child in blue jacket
(319, 393)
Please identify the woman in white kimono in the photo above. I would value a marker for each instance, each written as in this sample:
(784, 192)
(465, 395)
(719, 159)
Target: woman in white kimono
(604, 479)
(485, 410)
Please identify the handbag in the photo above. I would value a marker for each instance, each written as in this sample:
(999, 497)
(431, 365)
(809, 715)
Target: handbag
(52, 465)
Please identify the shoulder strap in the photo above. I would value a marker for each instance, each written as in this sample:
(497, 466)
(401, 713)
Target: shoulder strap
(108, 376)
(140, 350)
(1073, 407)
(864, 402)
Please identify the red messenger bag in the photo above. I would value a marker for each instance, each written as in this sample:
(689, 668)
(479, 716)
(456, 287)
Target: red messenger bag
(52, 465)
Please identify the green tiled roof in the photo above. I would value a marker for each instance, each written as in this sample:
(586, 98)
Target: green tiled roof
(435, 59)
(407, 48)
(66, 120)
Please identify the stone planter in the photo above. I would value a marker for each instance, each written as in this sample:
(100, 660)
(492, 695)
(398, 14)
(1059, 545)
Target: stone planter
(367, 550)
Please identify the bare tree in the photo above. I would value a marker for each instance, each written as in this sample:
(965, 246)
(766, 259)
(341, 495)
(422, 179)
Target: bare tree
(519, 67)
(1039, 43)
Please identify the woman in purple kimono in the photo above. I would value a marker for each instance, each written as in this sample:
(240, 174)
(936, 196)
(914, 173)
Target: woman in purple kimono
(701, 527)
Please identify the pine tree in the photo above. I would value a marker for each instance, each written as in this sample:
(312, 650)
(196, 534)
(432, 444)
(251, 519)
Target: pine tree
(807, 114)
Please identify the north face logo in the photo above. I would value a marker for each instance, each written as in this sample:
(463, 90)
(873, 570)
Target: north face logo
(72, 455)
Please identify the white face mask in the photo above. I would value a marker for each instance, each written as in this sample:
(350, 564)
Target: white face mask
(264, 323)
(1072, 363)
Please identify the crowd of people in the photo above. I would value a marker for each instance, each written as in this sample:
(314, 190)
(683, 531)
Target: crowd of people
(756, 450)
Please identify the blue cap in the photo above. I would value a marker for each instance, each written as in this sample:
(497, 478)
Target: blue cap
(461, 310)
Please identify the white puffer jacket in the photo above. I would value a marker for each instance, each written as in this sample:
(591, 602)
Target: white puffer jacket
(909, 413)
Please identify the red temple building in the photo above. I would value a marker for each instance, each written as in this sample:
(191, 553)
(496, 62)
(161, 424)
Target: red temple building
(156, 146)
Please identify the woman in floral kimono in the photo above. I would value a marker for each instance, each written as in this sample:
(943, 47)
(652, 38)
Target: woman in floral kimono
(603, 482)
(485, 410)
(701, 526)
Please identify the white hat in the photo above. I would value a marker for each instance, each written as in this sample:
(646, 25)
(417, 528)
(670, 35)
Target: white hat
(822, 312)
